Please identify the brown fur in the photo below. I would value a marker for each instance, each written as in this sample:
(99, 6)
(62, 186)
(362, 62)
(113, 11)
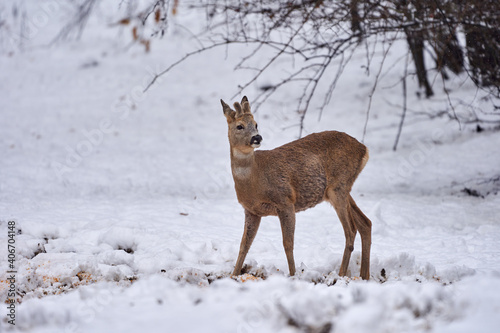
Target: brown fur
(294, 177)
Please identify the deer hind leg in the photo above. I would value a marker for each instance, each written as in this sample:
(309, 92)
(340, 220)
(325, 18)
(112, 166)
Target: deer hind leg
(364, 225)
(252, 223)
(287, 220)
(341, 204)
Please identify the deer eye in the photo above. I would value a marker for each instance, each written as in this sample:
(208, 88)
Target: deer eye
(240, 127)
(256, 126)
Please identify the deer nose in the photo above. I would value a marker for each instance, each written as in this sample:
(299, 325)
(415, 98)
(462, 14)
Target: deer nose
(256, 139)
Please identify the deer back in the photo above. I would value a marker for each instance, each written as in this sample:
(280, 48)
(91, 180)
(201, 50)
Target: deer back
(300, 172)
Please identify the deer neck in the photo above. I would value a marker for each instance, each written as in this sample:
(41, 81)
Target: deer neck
(242, 164)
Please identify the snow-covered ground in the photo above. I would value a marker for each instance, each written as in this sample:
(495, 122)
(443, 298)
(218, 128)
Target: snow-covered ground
(127, 220)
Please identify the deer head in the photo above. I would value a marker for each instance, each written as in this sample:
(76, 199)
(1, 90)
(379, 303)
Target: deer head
(242, 128)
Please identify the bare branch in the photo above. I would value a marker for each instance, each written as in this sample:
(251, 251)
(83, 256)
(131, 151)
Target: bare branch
(405, 95)
(276, 56)
(77, 22)
(374, 88)
(188, 55)
(327, 34)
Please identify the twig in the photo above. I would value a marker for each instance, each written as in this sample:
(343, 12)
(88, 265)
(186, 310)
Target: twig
(328, 97)
(451, 104)
(276, 56)
(400, 128)
(374, 88)
(78, 21)
(188, 55)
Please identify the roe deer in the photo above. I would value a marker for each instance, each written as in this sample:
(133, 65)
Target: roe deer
(294, 177)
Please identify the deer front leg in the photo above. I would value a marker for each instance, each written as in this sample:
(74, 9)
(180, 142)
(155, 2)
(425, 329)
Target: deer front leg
(287, 220)
(252, 223)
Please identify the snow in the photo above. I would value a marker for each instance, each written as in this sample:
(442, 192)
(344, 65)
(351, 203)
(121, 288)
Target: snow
(127, 217)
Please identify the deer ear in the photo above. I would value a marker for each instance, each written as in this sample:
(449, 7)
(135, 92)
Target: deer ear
(245, 105)
(230, 114)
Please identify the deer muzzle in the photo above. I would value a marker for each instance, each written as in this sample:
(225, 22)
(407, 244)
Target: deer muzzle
(255, 141)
